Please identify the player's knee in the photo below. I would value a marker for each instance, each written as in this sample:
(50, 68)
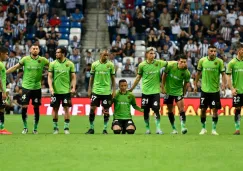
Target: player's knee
(117, 131)
(130, 131)
(203, 112)
(156, 112)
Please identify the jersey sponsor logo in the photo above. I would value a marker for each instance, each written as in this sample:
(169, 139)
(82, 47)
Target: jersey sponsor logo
(238, 70)
(61, 71)
(33, 67)
(102, 72)
(151, 72)
(175, 77)
(211, 69)
(123, 103)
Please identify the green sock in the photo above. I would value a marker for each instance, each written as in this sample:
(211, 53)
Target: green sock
(105, 125)
(66, 125)
(25, 124)
(237, 125)
(35, 126)
(204, 125)
(183, 124)
(55, 125)
(157, 123)
(1, 125)
(214, 125)
(91, 125)
(147, 124)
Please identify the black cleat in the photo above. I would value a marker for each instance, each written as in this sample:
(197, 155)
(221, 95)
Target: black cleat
(104, 132)
(90, 131)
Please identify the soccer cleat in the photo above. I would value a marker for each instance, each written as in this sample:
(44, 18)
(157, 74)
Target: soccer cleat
(148, 132)
(158, 131)
(35, 132)
(66, 131)
(214, 132)
(237, 132)
(203, 132)
(174, 131)
(56, 131)
(5, 132)
(90, 131)
(25, 131)
(184, 130)
(104, 132)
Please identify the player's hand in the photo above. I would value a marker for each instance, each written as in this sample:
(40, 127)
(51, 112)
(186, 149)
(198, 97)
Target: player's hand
(130, 90)
(163, 90)
(223, 90)
(89, 93)
(234, 91)
(195, 89)
(4, 95)
(52, 91)
(73, 90)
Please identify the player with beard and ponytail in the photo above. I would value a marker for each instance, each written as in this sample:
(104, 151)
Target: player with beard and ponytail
(33, 69)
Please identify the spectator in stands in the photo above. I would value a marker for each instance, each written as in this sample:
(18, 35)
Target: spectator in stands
(74, 43)
(118, 40)
(33, 5)
(89, 59)
(149, 8)
(11, 61)
(118, 52)
(182, 39)
(77, 16)
(54, 21)
(205, 19)
(165, 54)
(128, 50)
(127, 72)
(203, 48)
(43, 21)
(17, 100)
(40, 34)
(175, 27)
(190, 47)
(51, 48)
(31, 20)
(220, 45)
(139, 61)
(53, 34)
(70, 6)
(8, 33)
(27, 47)
(226, 33)
(113, 60)
(185, 20)
(22, 30)
(165, 19)
(12, 8)
(123, 25)
(236, 37)
(112, 23)
(140, 24)
(129, 64)
(42, 8)
(75, 58)
(2, 18)
(86, 73)
(152, 39)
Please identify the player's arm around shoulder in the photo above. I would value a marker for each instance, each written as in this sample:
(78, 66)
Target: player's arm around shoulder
(17, 66)
(133, 102)
(73, 77)
(50, 77)
(138, 77)
(224, 78)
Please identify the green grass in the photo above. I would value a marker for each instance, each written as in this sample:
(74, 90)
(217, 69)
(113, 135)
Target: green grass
(80, 152)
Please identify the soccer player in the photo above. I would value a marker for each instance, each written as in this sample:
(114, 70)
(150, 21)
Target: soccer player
(123, 100)
(235, 68)
(149, 71)
(62, 82)
(174, 82)
(210, 67)
(102, 77)
(3, 57)
(33, 69)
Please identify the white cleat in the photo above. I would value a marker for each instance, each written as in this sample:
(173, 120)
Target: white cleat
(56, 131)
(148, 132)
(159, 131)
(66, 132)
(214, 132)
(203, 132)
(174, 131)
(25, 131)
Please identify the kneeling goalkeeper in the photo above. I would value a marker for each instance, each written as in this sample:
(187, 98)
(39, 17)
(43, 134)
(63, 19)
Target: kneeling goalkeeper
(123, 100)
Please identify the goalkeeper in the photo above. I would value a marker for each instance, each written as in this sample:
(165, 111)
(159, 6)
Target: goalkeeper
(123, 100)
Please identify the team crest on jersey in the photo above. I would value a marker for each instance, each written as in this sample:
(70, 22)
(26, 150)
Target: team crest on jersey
(39, 61)
(215, 63)
(67, 65)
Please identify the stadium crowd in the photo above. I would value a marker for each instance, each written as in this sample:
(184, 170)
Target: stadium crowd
(46, 23)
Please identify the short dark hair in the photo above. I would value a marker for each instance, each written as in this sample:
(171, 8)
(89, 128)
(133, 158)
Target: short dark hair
(212, 47)
(182, 56)
(122, 81)
(3, 49)
(63, 49)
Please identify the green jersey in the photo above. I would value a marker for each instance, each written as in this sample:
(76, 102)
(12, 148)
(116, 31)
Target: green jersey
(175, 79)
(122, 105)
(33, 70)
(235, 67)
(3, 76)
(61, 75)
(102, 73)
(150, 73)
(211, 70)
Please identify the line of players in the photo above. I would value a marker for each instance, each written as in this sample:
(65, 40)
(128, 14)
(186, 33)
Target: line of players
(62, 81)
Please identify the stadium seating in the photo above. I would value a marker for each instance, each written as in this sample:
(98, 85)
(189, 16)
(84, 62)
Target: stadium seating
(128, 57)
(75, 30)
(63, 42)
(42, 42)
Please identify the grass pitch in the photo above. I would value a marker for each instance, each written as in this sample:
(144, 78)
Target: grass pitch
(139, 152)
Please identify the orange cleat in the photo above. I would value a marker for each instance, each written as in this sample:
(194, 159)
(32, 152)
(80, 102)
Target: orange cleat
(237, 132)
(5, 132)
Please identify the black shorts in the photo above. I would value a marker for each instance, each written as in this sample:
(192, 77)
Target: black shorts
(123, 123)
(238, 100)
(151, 101)
(57, 99)
(2, 102)
(168, 99)
(34, 95)
(211, 100)
(104, 100)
